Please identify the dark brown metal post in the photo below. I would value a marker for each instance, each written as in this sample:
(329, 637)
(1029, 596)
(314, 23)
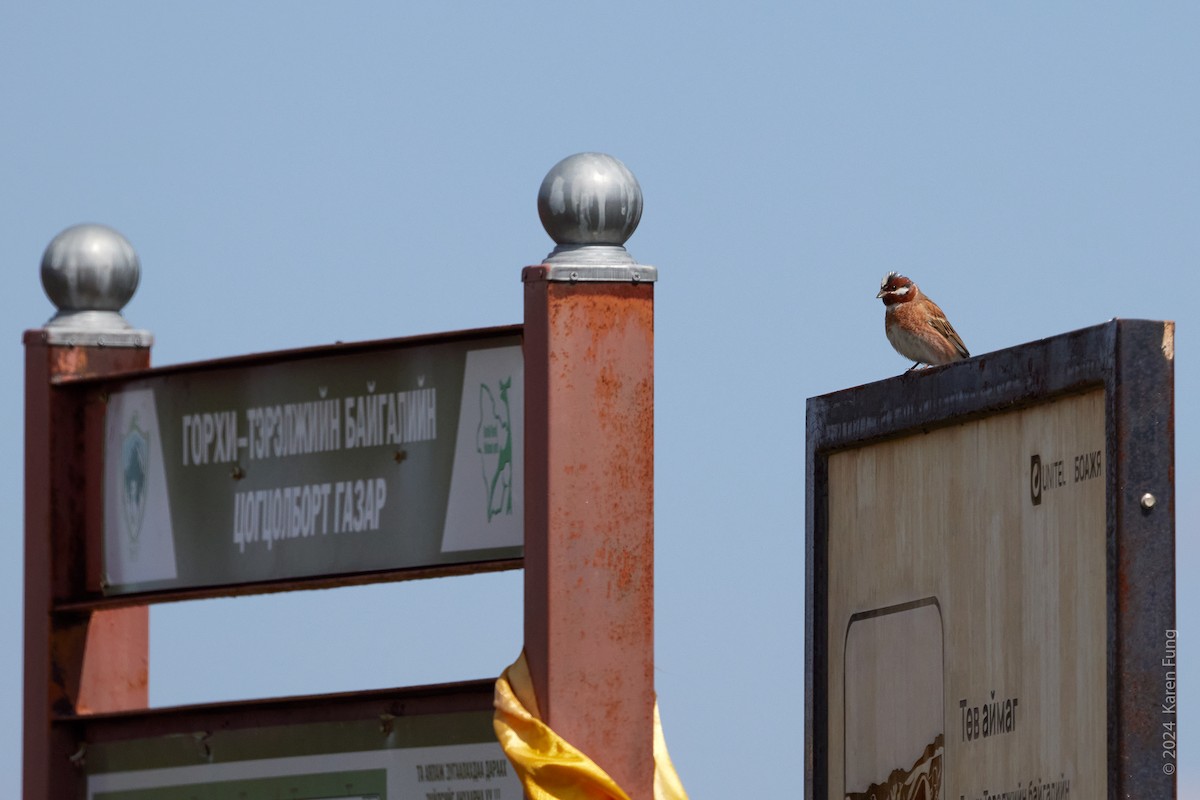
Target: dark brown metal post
(77, 663)
(589, 537)
(1143, 658)
(80, 662)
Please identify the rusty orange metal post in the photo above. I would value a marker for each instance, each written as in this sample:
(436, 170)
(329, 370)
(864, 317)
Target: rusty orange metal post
(78, 662)
(589, 528)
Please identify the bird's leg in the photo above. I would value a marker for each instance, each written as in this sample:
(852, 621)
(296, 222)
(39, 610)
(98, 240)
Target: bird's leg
(914, 366)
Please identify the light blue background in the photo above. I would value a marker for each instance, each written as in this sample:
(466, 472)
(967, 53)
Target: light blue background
(301, 173)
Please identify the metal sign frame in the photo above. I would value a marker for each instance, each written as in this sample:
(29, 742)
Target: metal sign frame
(84, 501)
(1133, 362)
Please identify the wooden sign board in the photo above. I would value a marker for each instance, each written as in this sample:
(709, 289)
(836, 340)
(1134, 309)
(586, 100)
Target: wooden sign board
(990, 599)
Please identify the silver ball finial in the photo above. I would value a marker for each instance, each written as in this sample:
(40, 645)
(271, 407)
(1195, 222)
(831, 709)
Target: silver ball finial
(590, 204)
(90, 272)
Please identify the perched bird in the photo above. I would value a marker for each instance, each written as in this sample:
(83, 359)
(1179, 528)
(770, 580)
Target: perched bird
(915, 325)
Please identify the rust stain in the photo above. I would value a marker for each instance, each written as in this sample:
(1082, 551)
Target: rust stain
(599, 574)
(601, 311)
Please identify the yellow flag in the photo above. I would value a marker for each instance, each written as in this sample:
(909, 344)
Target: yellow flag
(549, 767)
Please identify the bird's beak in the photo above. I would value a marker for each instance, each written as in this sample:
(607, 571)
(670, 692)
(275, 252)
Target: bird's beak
(879, 296)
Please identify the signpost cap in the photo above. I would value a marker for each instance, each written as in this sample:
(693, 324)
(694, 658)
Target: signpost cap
(90, 272)
(590, 204)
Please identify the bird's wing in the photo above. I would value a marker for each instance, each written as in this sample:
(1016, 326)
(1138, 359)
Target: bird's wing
(943, 326)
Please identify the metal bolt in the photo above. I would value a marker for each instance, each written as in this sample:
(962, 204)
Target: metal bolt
(1148, 501)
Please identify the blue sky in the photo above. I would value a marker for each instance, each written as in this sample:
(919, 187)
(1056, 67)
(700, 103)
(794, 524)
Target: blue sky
(303, 173)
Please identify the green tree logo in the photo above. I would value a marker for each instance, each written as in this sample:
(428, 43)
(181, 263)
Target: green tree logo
(493, 442)
(135, 457)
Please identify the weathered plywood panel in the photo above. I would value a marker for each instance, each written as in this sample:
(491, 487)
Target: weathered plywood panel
(992, 536)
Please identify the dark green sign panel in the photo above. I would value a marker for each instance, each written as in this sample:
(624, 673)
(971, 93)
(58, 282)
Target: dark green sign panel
(448, 756)
(390, 456)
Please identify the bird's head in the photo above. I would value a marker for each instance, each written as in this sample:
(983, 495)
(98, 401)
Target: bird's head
(895, 288)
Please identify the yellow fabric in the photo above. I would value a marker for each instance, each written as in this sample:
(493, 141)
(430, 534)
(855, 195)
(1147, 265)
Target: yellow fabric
(548, 766)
